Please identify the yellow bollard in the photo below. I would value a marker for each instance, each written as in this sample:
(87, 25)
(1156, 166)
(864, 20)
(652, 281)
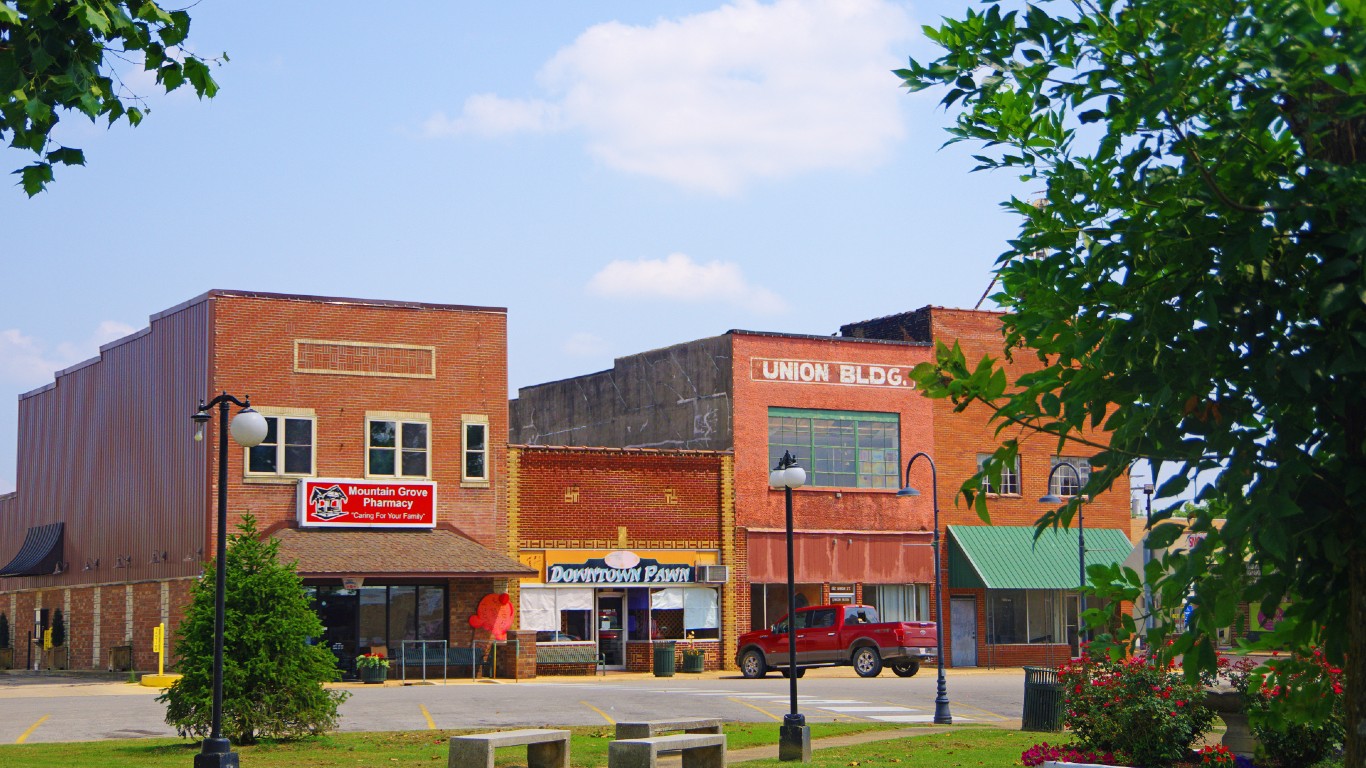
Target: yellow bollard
(160, 679)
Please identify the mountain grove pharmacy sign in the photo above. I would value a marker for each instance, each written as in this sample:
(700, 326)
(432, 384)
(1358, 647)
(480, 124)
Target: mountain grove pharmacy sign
(342, 503)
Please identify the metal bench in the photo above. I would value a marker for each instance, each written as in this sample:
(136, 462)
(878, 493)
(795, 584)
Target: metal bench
(644, 729)
(699, 750)
(544, 748)
(570, 654)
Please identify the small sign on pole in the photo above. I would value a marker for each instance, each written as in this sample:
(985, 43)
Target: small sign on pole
(159, 646)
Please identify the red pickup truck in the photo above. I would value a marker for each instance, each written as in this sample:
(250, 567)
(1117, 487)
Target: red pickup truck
(833, 635)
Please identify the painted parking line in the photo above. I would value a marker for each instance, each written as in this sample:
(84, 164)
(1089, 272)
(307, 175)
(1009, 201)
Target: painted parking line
(431, 726)
(23, 737)
(914, 718)
(862, 710)
(605, 716)
(758, 709)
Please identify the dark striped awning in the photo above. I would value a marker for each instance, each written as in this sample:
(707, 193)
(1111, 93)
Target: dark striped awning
(40, 554)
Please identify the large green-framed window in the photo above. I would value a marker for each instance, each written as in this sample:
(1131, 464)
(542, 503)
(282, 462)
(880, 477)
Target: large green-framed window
(839, 449)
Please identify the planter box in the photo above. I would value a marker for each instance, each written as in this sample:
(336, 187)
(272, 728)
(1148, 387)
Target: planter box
(121, 658)
(59, 658)
(693, 662)
(373, 674)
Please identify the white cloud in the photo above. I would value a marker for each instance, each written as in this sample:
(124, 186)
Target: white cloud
(27, 361)
(679, 278)
(719, 99)
(585, 345)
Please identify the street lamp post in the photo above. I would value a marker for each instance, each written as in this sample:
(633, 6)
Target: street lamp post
(1053, 498)
(1148, 489)
(248, 429)
(942, 716)
(794, 740)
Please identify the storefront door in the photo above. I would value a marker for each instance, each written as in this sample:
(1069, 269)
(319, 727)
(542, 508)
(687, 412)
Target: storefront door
(612, 629)
(963, 623)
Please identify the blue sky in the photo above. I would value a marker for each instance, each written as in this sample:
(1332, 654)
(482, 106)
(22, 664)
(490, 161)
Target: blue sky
(620, 175)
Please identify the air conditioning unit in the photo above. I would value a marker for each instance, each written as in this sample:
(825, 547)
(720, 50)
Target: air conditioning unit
(713, 574)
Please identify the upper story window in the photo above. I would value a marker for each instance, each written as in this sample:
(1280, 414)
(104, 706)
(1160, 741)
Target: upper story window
(1010, 477)
(475, 438)
(1065, 483)
(397, 445)
(289, 445)
(838, 449)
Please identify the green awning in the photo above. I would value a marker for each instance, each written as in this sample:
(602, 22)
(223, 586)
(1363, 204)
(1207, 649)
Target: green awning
(1008, 557)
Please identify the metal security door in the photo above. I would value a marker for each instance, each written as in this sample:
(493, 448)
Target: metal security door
(963, 635)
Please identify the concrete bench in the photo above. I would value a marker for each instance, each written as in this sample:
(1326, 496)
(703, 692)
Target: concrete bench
(544, 748)
(644, 729)
(699, 750)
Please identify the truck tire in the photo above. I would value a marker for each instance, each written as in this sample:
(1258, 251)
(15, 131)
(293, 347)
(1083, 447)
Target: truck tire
(752, 664)
(866, 661)
(906, 668)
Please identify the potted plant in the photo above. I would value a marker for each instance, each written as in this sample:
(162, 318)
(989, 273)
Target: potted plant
(59, 657)
(6, 652)
(373, 667)
(693, 657)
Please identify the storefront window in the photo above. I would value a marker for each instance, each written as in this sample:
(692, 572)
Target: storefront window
(899, 602)
(1023, 616)
(356, 620)
(768, 602)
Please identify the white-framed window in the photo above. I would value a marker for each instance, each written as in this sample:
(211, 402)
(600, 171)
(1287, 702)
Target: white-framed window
(1065, 483)
(1024, 616)
(288, 449)
(474, 430)
(397, 445)
(1010, 477)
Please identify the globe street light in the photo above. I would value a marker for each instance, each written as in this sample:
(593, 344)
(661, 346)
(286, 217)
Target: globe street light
(248, 429)
(942, 716)
(1053, 498)
(794, 740)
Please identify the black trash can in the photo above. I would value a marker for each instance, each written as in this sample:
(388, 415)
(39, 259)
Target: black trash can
(1042, 700)
(664, 658)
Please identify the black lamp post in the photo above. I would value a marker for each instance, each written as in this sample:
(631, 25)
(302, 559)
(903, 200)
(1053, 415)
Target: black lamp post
(248, 429)
(1148, 489)
(794, 740)
(1053, 498)
(942, 716)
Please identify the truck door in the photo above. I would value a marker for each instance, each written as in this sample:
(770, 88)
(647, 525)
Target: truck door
(819, 642)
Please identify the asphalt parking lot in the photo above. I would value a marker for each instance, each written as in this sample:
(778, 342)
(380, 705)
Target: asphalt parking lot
(37, 708)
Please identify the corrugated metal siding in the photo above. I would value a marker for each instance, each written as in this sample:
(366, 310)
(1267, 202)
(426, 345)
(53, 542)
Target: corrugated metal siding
(107, 449)
(899, 558)
(1008, 557)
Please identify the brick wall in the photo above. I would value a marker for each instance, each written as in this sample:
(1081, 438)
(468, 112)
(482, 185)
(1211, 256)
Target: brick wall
(254, 348)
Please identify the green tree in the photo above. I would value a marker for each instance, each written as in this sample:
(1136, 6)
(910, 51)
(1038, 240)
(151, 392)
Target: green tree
(4, 631)
(1191, 282)
(59, 55)
(272, 676)
(58, 629)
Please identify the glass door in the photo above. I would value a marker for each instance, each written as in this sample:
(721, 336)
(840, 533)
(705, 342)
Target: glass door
(611, 629)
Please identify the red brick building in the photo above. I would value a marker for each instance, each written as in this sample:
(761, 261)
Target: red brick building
(381, 473)
(846, 408)
(631, 548)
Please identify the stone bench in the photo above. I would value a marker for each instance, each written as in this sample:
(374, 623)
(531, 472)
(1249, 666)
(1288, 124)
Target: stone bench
(644, 729)
(699, 750)
(544, 748)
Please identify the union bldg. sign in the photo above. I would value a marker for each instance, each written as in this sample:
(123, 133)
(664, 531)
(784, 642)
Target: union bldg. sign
(825, 372)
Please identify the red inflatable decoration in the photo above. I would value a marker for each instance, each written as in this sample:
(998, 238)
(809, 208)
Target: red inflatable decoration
(495, 615)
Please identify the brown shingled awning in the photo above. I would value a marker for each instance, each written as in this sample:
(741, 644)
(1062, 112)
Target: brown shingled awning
(375, 553)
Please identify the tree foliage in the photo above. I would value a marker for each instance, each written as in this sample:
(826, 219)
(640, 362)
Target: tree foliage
(4, 631)
(60, 56)
(58, 629)
(1191, 281)
(272, 676)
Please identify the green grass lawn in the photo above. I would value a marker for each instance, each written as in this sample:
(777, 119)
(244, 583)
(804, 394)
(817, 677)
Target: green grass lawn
(986, 747)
